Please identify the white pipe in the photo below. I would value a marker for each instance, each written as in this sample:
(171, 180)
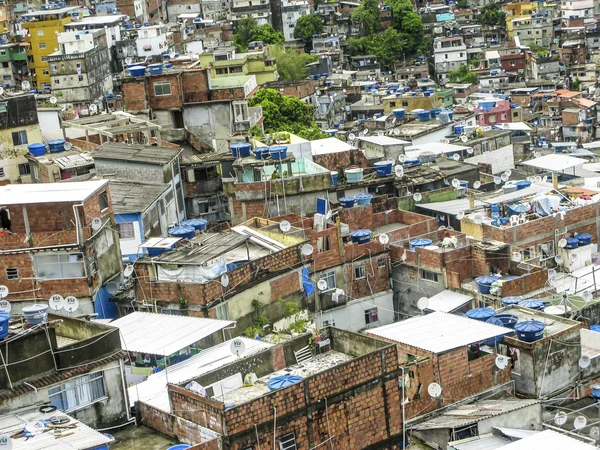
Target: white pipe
(274, 428)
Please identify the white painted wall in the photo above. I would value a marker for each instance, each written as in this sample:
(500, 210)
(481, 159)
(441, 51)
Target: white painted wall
(48, 119)
(501, 159)
(132, 246)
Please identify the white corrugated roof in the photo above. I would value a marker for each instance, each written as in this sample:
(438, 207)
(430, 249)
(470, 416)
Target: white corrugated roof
(448, 301)
(328, 145)
(555, 163)
(439, 332)
(20, 194)
(437, 148)
(162, 334)
(548, 440)
(153, 391)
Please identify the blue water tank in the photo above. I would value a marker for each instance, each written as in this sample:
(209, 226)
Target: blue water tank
(530, 330)
(399, 113)
(182, 232)
(420, 243)
(240, 150)
(360, 236)
(347, 202)
(4, 320)
(363, 199)
(196, 224)
(532, 304)
(37, 149)
(584, 239)
(424, 116)
(485, 282)
(459, 129)
(56, 146)
(514, 300)
(481, 314)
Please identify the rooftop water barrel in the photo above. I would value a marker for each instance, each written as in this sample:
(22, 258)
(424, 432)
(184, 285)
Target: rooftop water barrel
(261, 152)
(530, 330)
(283, 381)
(155, 69)
(155, 251)
(572, 243)
(420, 243)
(532, 304)
(138, 25)
(360, 236)
(37, 149)
(484, 283)
(240, 150)
(399, 113)
(435, 112)
(497, 339)
(383, 168)
(424, 116)
(363, 199)
(584, 239)
(127, 26)
(4, 320)
(56, 146)
(347, 202)
(278, 152)
(334, 178)
(481, 314)
(508, 320)
(514, 300)
(179, 447)
(35, 314)
(412, 162)
(459, 129)
(522, 184)
(182, 232)
(196, 224)
(146, 24)
(137, 71)
(354, 175)
(595, 392)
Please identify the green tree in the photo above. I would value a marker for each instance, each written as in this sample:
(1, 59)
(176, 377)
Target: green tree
(462, 4)
(367, 16)
(291, 63)
(386, 46)
(306, 27)
(408, 23)
(538, 49)
(576, 85)
(249, 31)
(462, 75)
(491, 15)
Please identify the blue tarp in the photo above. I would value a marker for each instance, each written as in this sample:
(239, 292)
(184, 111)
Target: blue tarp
(309, 286)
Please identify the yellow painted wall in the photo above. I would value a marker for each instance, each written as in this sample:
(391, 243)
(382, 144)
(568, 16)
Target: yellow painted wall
(11, 163)
(392, 103)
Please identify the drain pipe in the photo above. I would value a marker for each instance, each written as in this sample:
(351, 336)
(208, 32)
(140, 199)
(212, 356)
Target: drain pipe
(403, 409)
(274, 428)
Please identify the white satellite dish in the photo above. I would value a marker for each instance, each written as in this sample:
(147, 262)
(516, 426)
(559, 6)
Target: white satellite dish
(477, 184)
(3, 291)
(128, 60)
(93, 107)
(68, 146)
(71, 303)
(1, 90)
(545, 178)
(508, 172)
(470, 107)
(504, 177)
(25, 85)
(6, 442)
(497, 180)
(478, 219)
(366, 131)
(128, 270)
(285, 226)
(224, 280)
(470, 150)
(552, 274)
(460, 215)
(464, 138)
(587, 296)
(5, 306)
(307, 249)
(449, 228)
(562, 243)
(237, 347)
(53, 100)
(384, 239)
(501, 362)
(172, 54)
(402, 157)
(423, 303)
(351, 136)
(580, 422)
(417, 196)
(595, 433)
(442, 227)
(455, 183)
(456, 157)
(584, 362)
(396, 132)
(399, 170)
(516, 256)
(434, 390)
(112, 287)
(560, 418)
(558, 259)
(96, 223)
(56, 302)
(405, 131)
(322, 285)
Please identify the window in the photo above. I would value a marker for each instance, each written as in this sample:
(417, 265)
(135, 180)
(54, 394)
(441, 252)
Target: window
(170, 312)
(24, 169)
(126, 230)
(3, 52)
(40, 32)
(80, 77)
(12, 273)
(5, 65)
(103, 200)
(429, 276)
(371, 316)
(288, 442)
(404, 103)
(503, 116)
(56, 81)
(44, 58)
(516, 114)
(78, 392)
(513, 63)
(162, 88)
(359, 272)
(381, 263)
(1, 172)
(59, 266)
(330, 278)
(154, 216)
(19, 137)
(222, 311)
(42, 45)
(45, 72)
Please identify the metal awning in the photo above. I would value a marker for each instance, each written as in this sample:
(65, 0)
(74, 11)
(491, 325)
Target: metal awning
(162, 334)
(448, 301)
(555, 163)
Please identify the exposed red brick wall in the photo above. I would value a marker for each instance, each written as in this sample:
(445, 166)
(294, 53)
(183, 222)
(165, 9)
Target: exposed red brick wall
(197, 409)
(134, 93)
(175, 100)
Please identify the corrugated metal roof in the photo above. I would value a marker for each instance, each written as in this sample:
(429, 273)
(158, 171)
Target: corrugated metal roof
(439, 332)
(448, 301)
(23, 194)
(549, 440)
(205, 247)
(134, 197)
(554, 163)
(83, 437)
(153, 391)
(162, 334)
(136, 153)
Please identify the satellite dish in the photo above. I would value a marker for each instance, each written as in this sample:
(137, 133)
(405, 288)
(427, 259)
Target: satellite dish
(477, 184)
(402, 158)
(68, 146)
(471, 108)
(396, 132)
(96, 223)
(508, 172)
(384, 239)
(128, 270)
(594, 433)
(504, 177)
(25, 85)
(237, 347)
(478, 219)
(455, 183)
(423, 303)
(351, 136)
(460, 215)
(224, 280)
(112, 287)
(456, 157)
(560, 418)
(3, 291)
(417, 196)
(128, 60)
(580, 422)
(545, 178)
(538, 179)
(307, 249)
(399, 170)
(93, 107)
(71, 303)
(584, 362)
(464, 138)
(562, 243)
(404, 131)
(434, 390)
(516, 256)
(5, 306)
(552, 275)
(366, 131)
(470, 150)
(6, 442)
(497, 180)
(172, 54)
(322, 285)
(558, 259)
(285, 226)
(1, 90)
(53, 100)
(442, 227)
(501, 362)
(587, 296)
(56, 302)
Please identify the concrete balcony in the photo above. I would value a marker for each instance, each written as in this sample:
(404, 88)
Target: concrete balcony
(254, 116)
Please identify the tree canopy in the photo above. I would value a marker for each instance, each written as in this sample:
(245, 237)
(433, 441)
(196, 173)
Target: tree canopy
(408, 23)
(307, 26)
(367, 16)
(387, 46)
(249, 31)
(491, 15)
(462, 75)
(286, 113)
(291, 63)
